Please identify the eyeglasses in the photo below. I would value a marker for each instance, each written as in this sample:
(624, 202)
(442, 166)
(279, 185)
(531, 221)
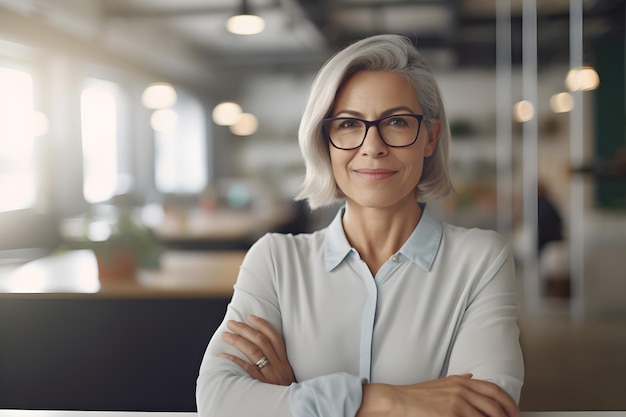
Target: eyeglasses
(397, 131)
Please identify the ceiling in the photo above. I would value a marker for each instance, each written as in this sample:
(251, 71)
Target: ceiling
(302, 33)
(186, 40)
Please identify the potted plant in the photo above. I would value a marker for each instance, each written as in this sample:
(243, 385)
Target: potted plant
(121, 243)
(130, 246)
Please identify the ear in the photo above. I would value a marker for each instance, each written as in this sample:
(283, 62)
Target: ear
(434, 133)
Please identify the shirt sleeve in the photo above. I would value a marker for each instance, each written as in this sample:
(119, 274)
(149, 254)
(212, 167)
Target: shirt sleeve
(487, 343)
(225, 389)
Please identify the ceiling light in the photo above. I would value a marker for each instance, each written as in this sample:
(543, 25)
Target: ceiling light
(245, 126)
(226, 113)
(562, 102)
(245, 23)
(523, 111)
(582, 79)
(159, 96)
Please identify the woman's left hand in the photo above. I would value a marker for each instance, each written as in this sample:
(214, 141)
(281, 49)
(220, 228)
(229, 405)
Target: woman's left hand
(257, 341)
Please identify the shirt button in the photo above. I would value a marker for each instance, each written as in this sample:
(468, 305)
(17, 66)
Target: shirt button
(394, 258)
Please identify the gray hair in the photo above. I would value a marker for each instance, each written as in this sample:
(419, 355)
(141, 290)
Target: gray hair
(390, 53)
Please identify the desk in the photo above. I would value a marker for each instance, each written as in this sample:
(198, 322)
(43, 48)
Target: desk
(124, 344)
(36, 413)
(182, 273)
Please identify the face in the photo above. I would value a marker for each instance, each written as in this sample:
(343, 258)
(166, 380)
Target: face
(376, 175)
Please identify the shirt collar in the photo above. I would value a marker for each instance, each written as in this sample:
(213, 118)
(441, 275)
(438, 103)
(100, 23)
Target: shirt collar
(336, 245)
(423, 244)
(421, 247)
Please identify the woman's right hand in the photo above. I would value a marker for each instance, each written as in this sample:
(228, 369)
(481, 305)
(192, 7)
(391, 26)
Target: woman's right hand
(453, 396)
(260, 340)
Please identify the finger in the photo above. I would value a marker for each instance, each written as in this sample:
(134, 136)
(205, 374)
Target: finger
(249, 348)
(248, 367)
(494, 399)
(254, 335)
(278, 344)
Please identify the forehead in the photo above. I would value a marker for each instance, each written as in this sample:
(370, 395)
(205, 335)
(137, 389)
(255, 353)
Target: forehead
(367, 90)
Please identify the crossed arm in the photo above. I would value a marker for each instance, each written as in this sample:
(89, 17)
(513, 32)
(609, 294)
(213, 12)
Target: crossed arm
(457, 395)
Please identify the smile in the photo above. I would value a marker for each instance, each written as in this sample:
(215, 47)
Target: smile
(374, 174)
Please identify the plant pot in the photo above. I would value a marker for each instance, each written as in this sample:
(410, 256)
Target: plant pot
(116, 265)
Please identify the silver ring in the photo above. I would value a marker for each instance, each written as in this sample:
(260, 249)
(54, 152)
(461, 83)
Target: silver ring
(262, 363)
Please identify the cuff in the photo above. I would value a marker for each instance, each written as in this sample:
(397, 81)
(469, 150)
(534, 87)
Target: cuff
(337, 394)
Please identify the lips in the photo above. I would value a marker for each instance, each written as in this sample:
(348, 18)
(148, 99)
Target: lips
(374, 174)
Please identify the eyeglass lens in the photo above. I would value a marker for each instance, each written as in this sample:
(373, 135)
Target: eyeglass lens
(395, 131)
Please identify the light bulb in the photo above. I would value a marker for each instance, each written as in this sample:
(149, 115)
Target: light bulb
(582, 79)
(245, 24)
(226, 113)
(246, 125)
(562, 102)
(159, 96)
(523, 111)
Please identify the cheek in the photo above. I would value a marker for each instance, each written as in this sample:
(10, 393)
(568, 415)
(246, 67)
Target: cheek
(415, 169)
(338, 161)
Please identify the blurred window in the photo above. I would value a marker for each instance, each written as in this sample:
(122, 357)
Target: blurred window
(99, 139)
(180, 148)
(18, 168)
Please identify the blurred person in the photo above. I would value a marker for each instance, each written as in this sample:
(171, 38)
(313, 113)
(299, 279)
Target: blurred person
(388, 310)
(552, 247)
(550, 224)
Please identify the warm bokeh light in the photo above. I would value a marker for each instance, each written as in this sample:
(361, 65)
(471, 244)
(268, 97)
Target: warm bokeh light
(523, 111)
(562, 102)
(226, 113)
(245, 24)
(164, 120)
(159, 96)
(246, 125)
(582, 79)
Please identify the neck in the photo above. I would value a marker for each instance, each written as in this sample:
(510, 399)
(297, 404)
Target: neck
(376, 233)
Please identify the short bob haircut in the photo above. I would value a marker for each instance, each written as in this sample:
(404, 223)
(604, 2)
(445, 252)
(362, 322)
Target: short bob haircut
(393, 53)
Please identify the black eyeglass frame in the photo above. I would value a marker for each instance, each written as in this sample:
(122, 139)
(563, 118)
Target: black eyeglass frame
(370, 123)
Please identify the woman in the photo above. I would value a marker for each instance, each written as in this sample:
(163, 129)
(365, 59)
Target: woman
(387, 311)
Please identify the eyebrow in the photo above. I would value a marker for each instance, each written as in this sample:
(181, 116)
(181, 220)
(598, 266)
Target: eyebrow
(386, 113)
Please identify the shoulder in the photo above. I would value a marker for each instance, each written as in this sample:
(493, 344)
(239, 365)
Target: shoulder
(287, 242)
(473, 243)
(477, 257)
(286, 246)
(483, 238)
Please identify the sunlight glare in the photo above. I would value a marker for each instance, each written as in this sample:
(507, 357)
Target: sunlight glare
(99, 134)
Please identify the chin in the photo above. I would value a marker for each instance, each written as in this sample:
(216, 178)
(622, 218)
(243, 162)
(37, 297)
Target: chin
(373, 203)
(382, 201)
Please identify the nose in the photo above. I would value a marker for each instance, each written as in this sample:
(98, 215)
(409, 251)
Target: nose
(373, 144)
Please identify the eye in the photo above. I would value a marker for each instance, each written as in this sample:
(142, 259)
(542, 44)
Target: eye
(396, 121)
(348, 123)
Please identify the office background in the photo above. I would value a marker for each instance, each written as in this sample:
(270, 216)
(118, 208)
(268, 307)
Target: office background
(536, 96)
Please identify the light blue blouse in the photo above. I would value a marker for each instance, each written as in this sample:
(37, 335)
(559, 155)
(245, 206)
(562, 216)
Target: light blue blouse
(444, 304)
